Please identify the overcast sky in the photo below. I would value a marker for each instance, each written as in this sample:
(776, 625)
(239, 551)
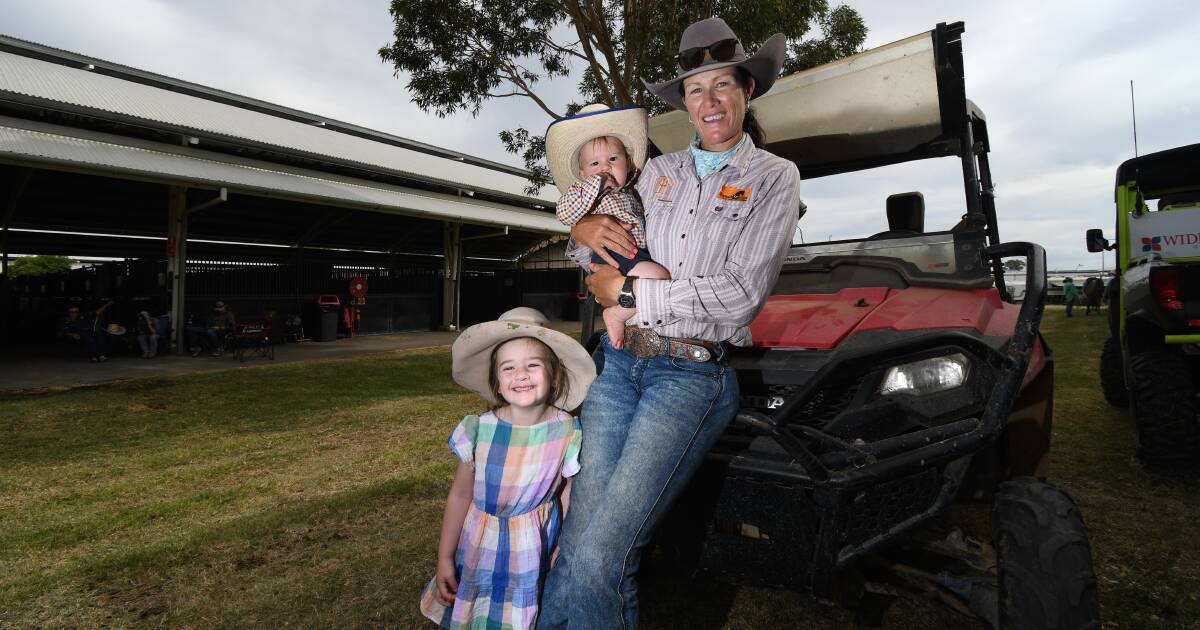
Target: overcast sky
(1052, 78)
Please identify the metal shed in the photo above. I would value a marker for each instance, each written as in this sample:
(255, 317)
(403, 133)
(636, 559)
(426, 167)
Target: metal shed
(102, 159)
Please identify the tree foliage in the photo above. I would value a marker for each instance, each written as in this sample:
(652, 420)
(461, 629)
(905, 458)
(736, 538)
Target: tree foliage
(459, 54)
(37, 265)
(1014, 264)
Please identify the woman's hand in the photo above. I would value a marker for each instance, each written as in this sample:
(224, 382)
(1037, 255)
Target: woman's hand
(600, 231)
(447, 585)
(605, 283)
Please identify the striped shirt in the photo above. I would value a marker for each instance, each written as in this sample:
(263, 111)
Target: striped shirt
(723, 239)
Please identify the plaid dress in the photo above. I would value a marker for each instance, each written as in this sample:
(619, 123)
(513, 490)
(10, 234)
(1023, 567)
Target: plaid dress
(513, 522)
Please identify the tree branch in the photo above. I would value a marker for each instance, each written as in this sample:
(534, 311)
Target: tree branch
(582, 29)
(515, 78)
(567, 50)
(605, 43)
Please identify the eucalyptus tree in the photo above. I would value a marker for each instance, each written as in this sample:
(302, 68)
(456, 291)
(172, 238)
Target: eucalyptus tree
(458, 55)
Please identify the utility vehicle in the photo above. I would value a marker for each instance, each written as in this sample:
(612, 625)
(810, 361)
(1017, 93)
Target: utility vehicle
(892, 374)
(1151, 359)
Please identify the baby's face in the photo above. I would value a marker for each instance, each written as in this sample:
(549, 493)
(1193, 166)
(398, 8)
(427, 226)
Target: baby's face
(604, 155)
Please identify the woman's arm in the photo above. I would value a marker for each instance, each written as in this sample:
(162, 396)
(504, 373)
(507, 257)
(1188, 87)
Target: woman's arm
(457, 503)
(595, 233)
(572, 210)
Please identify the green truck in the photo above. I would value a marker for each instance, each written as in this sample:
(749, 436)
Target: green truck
(1151, 360)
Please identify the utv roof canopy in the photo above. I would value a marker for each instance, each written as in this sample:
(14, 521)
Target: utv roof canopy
(1163, 172)
(899, 102)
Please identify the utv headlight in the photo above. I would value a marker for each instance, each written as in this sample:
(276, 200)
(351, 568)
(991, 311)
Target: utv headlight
(926, 377)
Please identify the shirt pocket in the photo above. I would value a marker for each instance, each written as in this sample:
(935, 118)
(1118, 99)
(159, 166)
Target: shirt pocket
(723, 223)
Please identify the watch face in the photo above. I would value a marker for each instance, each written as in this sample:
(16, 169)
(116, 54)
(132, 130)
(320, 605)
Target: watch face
(625, 298)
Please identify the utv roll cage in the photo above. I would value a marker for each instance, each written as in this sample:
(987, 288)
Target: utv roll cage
(917, 109)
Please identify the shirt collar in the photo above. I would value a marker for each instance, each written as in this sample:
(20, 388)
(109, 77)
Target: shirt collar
(740, 159)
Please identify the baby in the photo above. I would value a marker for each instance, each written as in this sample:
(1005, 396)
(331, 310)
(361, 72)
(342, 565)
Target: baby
(595, 157)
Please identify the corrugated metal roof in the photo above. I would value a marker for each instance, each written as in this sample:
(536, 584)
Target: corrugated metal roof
(28, 142)
(35, 80)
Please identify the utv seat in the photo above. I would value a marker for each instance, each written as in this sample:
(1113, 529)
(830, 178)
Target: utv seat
(1179, 201)
(905, 215)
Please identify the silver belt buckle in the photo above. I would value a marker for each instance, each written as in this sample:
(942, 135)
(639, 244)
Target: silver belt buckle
(644, 343)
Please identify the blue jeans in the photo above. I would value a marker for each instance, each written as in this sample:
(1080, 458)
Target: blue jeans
(647, 425)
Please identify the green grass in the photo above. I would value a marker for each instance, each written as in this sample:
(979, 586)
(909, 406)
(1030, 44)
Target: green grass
(310, 495)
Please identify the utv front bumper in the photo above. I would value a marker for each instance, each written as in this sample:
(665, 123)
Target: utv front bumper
(789, 503)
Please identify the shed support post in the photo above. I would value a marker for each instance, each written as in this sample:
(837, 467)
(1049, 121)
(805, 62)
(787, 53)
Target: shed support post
(177, 225)
(451, 274)
(10, 209)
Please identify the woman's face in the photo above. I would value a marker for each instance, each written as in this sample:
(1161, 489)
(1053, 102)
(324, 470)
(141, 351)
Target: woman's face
(716, 105)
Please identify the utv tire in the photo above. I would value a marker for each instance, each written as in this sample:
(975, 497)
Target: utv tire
(1044, 572)
(1112, 374)
(1163, 406)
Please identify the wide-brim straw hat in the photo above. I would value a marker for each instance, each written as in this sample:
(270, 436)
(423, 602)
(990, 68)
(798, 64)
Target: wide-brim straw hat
(565, 136)
(116, 329)
(472, 354)
(763, 65)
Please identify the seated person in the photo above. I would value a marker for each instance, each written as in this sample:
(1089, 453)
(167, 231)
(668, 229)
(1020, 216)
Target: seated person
(86, 330)
(220, 322)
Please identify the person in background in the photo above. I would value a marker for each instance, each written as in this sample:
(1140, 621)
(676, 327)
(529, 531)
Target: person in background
(87, 330)
(220, 322)
(147, 335)
(1070, 294)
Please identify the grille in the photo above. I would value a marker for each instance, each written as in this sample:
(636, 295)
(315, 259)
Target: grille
(828, 401)
(882, 506)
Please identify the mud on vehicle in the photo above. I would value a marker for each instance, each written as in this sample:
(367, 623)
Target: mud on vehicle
(1151, 360)
(892, 374)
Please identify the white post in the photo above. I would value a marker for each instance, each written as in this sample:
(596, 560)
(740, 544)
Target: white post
(451, 272)
(177, 224)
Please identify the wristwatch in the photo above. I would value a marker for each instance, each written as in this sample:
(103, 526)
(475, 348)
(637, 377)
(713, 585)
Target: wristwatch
(625, 298)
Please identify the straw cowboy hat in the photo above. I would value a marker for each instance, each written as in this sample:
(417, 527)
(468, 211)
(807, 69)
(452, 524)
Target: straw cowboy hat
(472, 354)
(565, 136)
(116, 329)
(711, 45)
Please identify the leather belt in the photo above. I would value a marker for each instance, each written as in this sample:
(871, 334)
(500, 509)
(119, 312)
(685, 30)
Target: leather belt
(644, 343)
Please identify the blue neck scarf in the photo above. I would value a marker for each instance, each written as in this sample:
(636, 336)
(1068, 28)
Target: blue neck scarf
(707, 161)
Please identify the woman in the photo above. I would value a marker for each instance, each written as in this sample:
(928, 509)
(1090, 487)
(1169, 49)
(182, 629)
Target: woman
(720, 217)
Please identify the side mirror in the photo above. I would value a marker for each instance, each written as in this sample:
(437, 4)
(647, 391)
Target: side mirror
(1096, 241)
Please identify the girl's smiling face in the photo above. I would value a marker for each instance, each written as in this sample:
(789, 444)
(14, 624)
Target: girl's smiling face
(522, 374)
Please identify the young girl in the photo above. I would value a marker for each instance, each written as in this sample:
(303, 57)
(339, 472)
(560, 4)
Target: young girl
(512, 486)
(595, 157)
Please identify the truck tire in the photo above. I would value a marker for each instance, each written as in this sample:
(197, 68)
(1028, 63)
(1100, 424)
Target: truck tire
(1112, 374)
(1163, 406)
(1044, 571)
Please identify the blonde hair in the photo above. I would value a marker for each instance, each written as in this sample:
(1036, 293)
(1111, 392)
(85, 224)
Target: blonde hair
(560, 385)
